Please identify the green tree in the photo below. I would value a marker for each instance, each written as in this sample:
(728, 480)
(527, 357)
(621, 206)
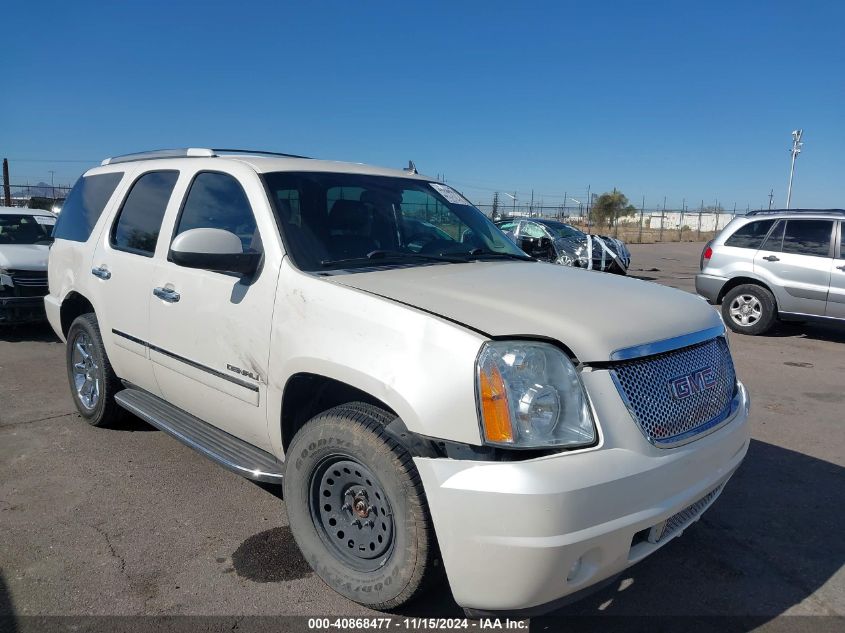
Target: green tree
(609, 207)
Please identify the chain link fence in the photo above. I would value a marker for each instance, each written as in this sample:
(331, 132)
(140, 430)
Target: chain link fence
(647, 226)
(46, 197)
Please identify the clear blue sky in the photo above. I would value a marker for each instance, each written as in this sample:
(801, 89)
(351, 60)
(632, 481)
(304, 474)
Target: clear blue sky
(686, 100)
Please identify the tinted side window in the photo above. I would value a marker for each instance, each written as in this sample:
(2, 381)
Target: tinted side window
(808, 237)
(84, 205)
(139, 221)
(751, 235)
(217, 201)
(775, 240)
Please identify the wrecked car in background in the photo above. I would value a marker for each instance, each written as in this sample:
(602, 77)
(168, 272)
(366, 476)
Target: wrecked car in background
(553, 241)
(25, 238)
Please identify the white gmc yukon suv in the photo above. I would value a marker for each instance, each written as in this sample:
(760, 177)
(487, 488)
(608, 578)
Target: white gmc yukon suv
(426, 393)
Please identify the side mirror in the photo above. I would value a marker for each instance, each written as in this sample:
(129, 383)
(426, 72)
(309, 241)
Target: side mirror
(213, 249)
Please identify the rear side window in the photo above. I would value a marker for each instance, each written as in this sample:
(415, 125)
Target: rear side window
(751, 235)
(808, 237)
(217, 201)
(139, 221)
(84, 205)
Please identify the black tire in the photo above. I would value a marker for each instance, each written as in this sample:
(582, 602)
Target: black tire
(85, 331)
(758, 304)
(382, 565)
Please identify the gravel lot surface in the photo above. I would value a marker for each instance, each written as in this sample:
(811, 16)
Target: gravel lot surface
(128, 521)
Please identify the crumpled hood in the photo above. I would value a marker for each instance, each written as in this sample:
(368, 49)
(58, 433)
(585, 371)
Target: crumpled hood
(24, 256)
(592, 313)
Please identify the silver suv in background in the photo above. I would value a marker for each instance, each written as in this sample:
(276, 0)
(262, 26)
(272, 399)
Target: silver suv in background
(779, 264)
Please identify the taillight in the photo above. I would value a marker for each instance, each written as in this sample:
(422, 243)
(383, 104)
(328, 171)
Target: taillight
(705, 256)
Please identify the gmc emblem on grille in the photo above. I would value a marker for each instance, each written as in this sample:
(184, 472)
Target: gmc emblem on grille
(692, 383)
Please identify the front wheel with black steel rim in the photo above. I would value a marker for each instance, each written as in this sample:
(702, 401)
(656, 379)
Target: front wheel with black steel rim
(93, 383)
(357, 508)
(749, 309)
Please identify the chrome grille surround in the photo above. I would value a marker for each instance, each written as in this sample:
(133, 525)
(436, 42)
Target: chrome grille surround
(665, 419)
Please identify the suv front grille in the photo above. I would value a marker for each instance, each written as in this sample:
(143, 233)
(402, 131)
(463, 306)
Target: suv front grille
(678, 395)
(29, 283)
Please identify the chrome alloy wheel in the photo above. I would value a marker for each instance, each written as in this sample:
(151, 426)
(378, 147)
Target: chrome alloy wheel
(87, 374)
(746, 310)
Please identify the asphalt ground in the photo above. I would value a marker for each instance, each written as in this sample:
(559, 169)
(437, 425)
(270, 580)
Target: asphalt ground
(128, 521)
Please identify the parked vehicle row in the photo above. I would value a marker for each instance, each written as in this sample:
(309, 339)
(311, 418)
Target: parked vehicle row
(782, 264)
(350, 332)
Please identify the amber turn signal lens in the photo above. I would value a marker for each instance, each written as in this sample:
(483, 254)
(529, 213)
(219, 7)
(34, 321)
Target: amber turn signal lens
(495, 416)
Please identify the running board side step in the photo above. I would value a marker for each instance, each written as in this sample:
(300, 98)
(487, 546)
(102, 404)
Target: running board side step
(221, 447)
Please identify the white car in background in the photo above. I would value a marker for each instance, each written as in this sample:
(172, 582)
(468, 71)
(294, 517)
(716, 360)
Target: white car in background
(25, 238)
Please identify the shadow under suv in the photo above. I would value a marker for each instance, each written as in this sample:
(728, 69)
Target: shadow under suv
(780, 264)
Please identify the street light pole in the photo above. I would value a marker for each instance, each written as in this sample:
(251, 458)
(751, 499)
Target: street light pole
(513, 197)
(796, 149)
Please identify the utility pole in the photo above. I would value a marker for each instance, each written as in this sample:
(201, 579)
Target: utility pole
(796, 149)
(7, 194)
(589, 214)
(771, 197)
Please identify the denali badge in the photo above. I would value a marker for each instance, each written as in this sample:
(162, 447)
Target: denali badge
(692, 383)
(242, 372)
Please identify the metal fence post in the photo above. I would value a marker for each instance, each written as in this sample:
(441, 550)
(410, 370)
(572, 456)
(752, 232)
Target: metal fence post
(642, 213)
(700, 212)
(662, 220)
(7, 194)
(681, 223)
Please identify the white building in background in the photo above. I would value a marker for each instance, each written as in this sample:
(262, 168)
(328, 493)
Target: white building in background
(688, 220)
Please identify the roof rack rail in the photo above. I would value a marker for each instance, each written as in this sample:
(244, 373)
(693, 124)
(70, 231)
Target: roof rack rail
(797, 211)
(160, 153)
(187, 152)
(257, 152)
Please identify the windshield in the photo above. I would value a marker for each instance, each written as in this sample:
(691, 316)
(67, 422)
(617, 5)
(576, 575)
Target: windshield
(340, 221)
(559, 229)
(26, 229)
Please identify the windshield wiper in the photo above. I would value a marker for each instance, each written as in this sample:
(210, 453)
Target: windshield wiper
(385, 254)
(480, 251)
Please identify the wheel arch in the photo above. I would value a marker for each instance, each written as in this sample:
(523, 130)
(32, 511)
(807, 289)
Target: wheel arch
(306, 394)
(741, 281)
(73, 305)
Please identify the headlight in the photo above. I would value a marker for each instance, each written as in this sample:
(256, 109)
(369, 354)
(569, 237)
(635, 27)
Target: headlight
(530, 396)
(6, 279)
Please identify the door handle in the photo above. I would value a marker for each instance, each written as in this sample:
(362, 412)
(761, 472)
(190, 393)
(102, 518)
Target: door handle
(842, 268)
(102, 272)
(772, 258)
(166, 294)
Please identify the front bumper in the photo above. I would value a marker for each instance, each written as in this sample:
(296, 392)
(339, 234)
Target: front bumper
(21, 310)
(520, 537)
(709, 286)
